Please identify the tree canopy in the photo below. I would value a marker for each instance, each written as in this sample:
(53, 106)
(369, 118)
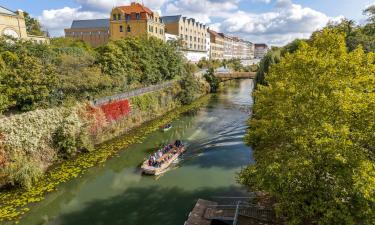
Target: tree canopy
(33, 26)
(313, 133)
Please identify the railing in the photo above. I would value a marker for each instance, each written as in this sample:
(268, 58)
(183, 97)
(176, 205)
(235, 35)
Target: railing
(132, 93)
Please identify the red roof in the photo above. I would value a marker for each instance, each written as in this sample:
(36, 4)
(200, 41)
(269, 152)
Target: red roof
(135, 8)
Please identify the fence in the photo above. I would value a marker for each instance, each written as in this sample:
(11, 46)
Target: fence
(132, 93)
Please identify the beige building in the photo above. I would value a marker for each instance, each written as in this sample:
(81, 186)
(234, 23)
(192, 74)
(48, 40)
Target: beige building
(93, 32)
(193, 33)
(135, 20)
(217, 45)
(260, 50)
(13, 24)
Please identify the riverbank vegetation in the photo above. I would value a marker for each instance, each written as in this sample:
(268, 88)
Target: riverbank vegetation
(35, 76)
(313, 127)
(16, 202)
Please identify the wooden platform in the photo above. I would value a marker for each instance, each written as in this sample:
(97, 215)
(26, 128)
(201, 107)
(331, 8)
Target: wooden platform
(196, 216)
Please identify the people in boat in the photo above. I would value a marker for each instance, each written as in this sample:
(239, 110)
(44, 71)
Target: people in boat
(168, 149)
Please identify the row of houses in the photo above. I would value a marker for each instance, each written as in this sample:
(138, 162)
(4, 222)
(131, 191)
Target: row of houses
(197, 40)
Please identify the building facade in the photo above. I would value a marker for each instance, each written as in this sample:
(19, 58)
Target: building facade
(135, 20)
(194, 35)
(93, 32)
(13, 24)
(260, 50)
(217, 45)
(229, 47)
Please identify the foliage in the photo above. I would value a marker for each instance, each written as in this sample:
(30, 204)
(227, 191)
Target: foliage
(212, 80)
(190, 88)
(35, 76)
(313, 134)
(33, 26)
(370, 12)
(140, 61)
(205, 64)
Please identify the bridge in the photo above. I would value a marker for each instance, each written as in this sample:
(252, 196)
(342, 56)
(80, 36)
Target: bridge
(223, 76)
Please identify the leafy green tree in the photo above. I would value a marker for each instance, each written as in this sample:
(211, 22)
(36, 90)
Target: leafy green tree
(313, 134)
(189, 87)
(33, 26)
(212, 80)
(370, 12)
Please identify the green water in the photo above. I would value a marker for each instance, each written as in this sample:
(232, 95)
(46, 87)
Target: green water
(117, 193)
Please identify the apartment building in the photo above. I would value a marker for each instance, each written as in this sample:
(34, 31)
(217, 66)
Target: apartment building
(194, 35)
(93, 32)
(135, 20)
(217, 45)
(13, 24)
(260, 50)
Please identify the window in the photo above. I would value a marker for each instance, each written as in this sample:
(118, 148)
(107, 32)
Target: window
(119, 16)
(129, 29)
(186, 37)
(191, 38)
(121, 29)
(161, 31)
(156, 30)
(127, 17)
(114, 17)
(138, 16)
(182, 36)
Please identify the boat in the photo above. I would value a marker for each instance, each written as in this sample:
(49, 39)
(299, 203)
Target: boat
(167, 127)
(171, 152)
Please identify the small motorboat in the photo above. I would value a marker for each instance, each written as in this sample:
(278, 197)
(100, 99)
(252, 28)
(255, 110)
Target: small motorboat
(160, 161)
(167, 127)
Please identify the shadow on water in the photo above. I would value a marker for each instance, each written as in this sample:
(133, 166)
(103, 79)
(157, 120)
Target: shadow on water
(151, 205)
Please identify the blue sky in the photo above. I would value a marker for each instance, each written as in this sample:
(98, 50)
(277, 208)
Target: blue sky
(272, 21)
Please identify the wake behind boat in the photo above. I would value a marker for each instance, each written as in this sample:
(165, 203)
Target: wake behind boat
(161, 160)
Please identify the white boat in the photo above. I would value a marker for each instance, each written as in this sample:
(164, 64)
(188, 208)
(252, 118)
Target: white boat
(167, 127)
(164, 161)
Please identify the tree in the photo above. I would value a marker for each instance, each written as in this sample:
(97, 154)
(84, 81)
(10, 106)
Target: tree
(212, 80)
(189, 87)
(33, 26)
(370, 12)
(312, 134)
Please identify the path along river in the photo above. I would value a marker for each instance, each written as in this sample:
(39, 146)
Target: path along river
(117, 193)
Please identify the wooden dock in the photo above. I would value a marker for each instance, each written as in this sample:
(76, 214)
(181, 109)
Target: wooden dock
(196, 216)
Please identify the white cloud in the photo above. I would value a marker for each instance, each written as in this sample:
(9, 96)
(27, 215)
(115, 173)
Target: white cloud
(202, 10)
(55, 20)
(286, 22)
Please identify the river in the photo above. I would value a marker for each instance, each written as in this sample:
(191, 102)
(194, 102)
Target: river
(117, 193)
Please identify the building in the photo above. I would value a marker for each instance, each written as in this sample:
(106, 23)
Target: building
(194, 36)
(93, 32)
(229, 47)
(135, 20)
(260, 50)
(217, 45)
(13, 24)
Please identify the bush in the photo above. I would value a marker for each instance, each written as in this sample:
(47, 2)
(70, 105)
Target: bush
(190, 87)
(212, 80)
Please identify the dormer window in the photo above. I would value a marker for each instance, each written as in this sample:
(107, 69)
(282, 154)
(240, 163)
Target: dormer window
(127, 17)
(138, 16)
(114, 17)
(119, 16)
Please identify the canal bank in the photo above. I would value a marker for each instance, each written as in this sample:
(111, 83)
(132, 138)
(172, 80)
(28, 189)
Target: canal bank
(116, 192)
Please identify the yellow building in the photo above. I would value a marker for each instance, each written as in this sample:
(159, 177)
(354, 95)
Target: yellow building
(135, 20)
(13, 24)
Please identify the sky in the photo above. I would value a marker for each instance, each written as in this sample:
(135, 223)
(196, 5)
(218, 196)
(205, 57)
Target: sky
(275, 22)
